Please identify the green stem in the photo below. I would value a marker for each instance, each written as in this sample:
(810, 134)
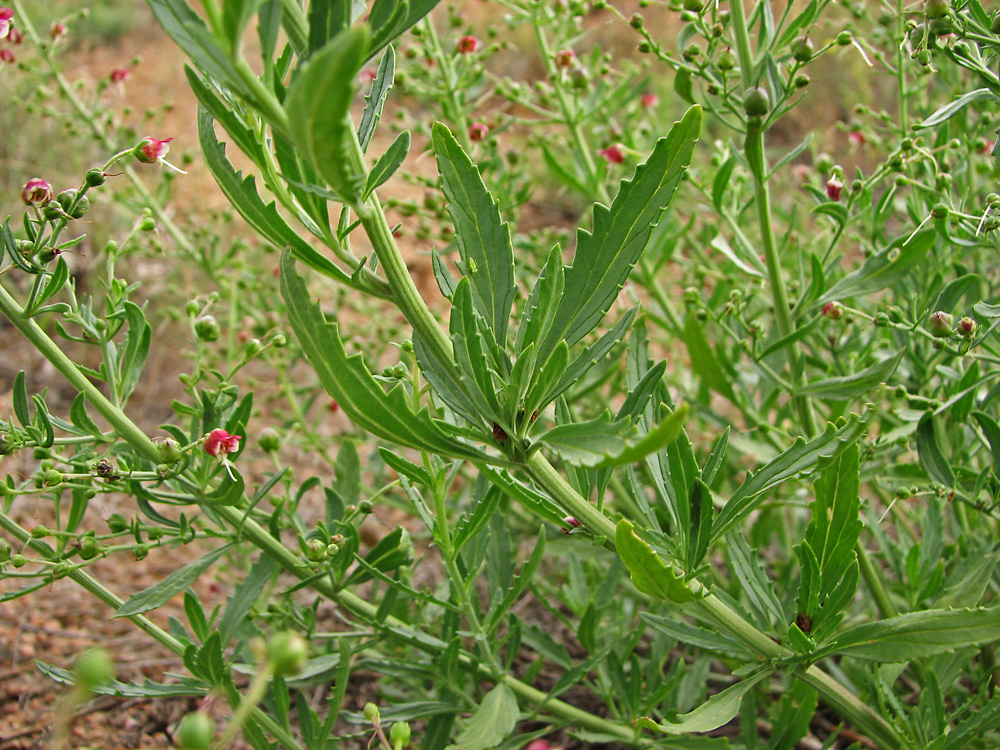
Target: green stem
(874, 583)
(458, 114)
(847, 705)
(51, 351)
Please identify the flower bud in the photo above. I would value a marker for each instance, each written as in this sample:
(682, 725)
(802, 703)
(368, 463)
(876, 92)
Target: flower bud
(73, 204)
(366, 507)
(151, 150)
(207, 328)
(694, 6)
(844, 38)
(117, 523)
(195, 732)
(478, 131)
(833, 188)
(170, 451)
(399, 735)
(833, 310)
(614, 154)
(36, 192)
(756, 101)
(18, 561)
(93, 668)
(940, 323)
(934, 9)
(269, 440)
(95, 177)
(89, 548)
(119, 75)
(803, 49)
(940, 211)
(727, 60)
(371, 712)
(468, 44)
(565, 58)
(966, 327)
(315, 550)
(287, 653)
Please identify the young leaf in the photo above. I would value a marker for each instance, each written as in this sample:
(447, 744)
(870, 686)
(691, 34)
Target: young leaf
(388, 163)
(853, 386)
(930, 455)
(756, 584)
(391, 18)
(836, 525)
(650, 574)
(884, 268)
(236, 14)
(318, 105)
(717, 711)
(375, 98)
(604, 257)
(492, 722)
(483, 237)
(163, 591)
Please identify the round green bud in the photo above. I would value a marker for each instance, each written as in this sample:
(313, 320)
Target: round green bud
(93, 668)
(940, 324)
(117, 523)
(148, 224)
(824, 163)
(73, 203)
(844, 38)
(95, 177)
(399, 735)
(269, 440)
(315, 550)
(170, 451)
(89, 548)
(40, 532)
(195, 732)
(18, 560)
(756, 101)
(803, 49)
(940, 211)
(287, 653)
(727, 60)
(936, 8)
(371, 712)
(207, 328)
(366, 507)
(252, 348)
(278, 341)
(192, 308)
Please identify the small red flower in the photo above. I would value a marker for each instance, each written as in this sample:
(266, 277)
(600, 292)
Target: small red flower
(57, 30)
(538, 745)
(333, 406)
(152, 150)
(833, 188)
(15, 36)
(856, 137)
(6, 14)
(649, 101)
(565, 58)
(613, 154)
(478, 131)
(986, 146)
(120, 75)
(469, 44)
(36, 192)
(219, 442)
(7, 56)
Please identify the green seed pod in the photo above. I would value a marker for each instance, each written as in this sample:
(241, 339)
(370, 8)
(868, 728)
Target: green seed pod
(844, 38)
(170, 451)
(207, 328)
(117, 523)
(934, 9)
(93, 668)
(803, 49)
(192, 308)
(195, 732)
(940, 323)
(18, 561)
(727, 60)
(371, 712)
(287, 653)
(940, 211)
(95, 177)
(315, 550)
(756, 101)
(148, 224)
(89, 548)
(74, 206)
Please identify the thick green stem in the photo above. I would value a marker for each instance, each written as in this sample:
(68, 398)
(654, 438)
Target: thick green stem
(846, 704)
(874, 583)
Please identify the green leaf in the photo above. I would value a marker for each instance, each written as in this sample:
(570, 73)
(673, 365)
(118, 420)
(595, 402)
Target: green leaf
(229, 492)
(884, 268)
(392, 551)
(950, 110)
(703, 359)
(387, 415)
(327, 18)
(318, 105)
(238, 605)
(483, 237)
(80, 418)
(801, 458)
(471, 355)
(929, 452)
(602, 443)
(265, 219)
(469, 527)
(134, 350)
(375, 98)
(754, 581)
(650, 574)
(991, 429)
(236, 14)
(530, 498)
(809, 582)
(19, 398)
(849, 387)
(163, 591)
(605, 256)
(389, 22)
(243, 136)
(493, 721)
(389, 162)
(836, 525)
(915, 635)
(717, 711)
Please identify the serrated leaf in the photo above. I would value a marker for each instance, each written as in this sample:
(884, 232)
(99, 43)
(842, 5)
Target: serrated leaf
(853, 386)
(346, 378)
(493, 721)
(703, 359)
(389, 23)
(318, 105)
(388, 163)
(163, 591)
(650, 574)
(836, 525)
(483, 237)
(605, 256)
(915, 635)
(375, 98)
(754, 581)
(717, 711)
(802, 457)
(603, 442)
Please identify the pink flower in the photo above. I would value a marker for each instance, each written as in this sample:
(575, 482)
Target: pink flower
(833, 188)
(219, 443)
(613, 154)
(36, 192)
(57, 30)
(478, 131)
(833, 310)
(152, 150)
(538, 745)
(5, 15)
(856, 137)
(649, 101)
(15, 36)
(120, 75)
(565, 58)
(469, 44)
(7, 56)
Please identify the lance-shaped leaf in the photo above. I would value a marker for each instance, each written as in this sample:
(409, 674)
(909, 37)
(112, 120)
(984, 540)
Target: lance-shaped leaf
(163, 591)
(802, 457)
(346, 378)
(328, 18)
(375, 98)
(492, 722)
(836, 524)
(236, 14)
(388, 163)
(390, 18)
(717, 711)
(650, 574)
(471, 355)
(602, 443)
(915, 635)
(604, 257)
(884, 268)
(243, 196)
(319, 109)
(483, 237)
(853, 386)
